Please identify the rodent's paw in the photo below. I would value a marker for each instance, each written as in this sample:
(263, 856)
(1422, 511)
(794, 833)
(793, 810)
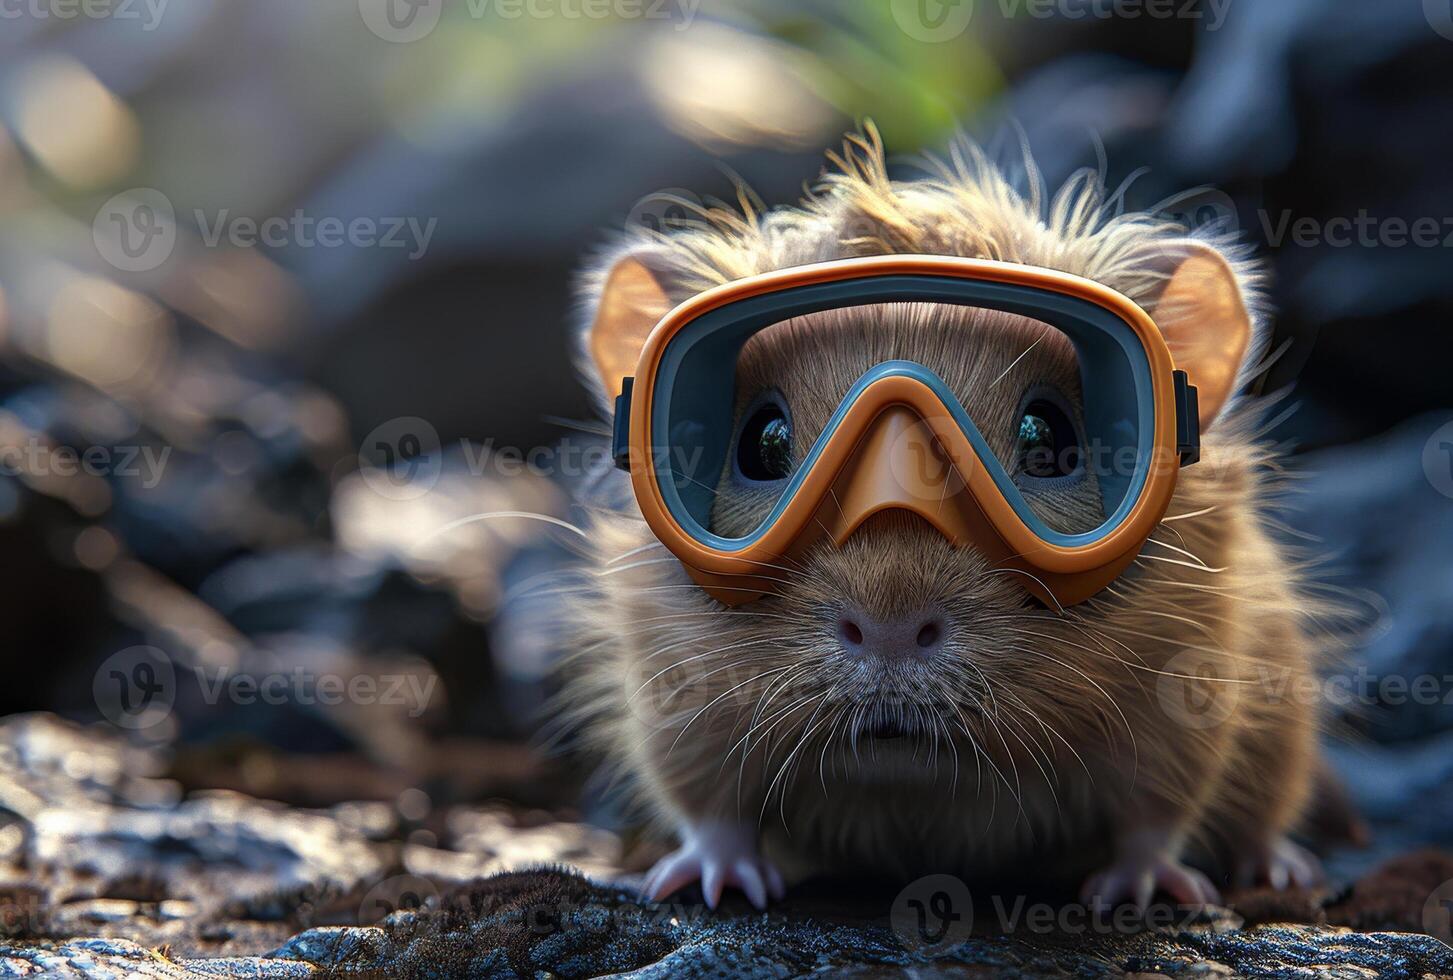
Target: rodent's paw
(716, 857)
(1279, 863)
(1138, 877)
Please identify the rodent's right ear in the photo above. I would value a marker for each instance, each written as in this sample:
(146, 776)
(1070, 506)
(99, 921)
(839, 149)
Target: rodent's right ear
(1203, 314)
(625, 300)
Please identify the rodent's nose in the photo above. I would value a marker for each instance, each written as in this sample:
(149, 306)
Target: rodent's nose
(914, 636)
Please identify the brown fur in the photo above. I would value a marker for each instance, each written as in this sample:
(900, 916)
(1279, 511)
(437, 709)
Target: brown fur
(1038, 733)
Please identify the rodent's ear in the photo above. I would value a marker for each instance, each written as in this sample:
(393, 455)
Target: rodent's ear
(1203, 316)
(632, 298)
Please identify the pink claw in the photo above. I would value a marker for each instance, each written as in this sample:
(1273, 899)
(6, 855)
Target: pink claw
(1280, 863)
(1137, 878)
(717, 855)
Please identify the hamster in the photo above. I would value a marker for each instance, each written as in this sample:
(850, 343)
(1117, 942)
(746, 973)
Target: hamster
(1131, 745)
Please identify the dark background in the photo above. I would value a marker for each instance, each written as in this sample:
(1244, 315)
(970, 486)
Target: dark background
(268, 371)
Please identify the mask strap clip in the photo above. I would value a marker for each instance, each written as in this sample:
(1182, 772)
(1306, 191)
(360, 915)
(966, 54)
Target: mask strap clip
(620, 441)
(1188, 419)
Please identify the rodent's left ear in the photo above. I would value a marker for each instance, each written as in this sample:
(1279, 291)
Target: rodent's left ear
(629, 298)
(1202, 313)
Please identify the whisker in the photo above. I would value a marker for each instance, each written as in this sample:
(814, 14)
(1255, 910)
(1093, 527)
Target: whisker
(1017, 360)
(590, 428)
(1182, 551)
(491, 515)
(602, 573)
(634, 551)
(1195, 513)
(1183, 564)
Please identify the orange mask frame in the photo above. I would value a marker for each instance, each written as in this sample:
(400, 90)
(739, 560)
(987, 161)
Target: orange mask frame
(897, 447)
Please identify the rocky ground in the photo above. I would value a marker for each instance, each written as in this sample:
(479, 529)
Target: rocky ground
(110, 871)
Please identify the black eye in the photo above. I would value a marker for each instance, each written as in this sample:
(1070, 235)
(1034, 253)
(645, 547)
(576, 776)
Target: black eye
(765, 449)
(1048, 444)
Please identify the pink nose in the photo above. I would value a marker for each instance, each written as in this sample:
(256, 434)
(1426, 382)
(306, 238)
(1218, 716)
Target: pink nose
(913, 636)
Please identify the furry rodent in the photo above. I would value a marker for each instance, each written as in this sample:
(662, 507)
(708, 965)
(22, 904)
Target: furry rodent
(1126, 743)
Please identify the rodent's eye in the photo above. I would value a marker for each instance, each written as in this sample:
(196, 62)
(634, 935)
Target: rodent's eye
(764, 449)
(1049, 446)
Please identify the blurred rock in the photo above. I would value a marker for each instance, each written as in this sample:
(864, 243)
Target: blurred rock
(97, 843)
(1381, 514)
(95, 818)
